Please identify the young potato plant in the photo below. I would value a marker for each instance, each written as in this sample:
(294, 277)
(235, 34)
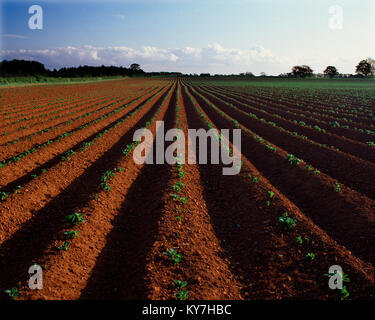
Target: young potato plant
(271, 194)
(292, 160)
(180, 284)
(255, 179)
(337, 187)
(173, 255)
(176, 197)
(105, 186)
(299, 240)
(310, 256)
(68, 155)
(181, 173)
(287, 222)
(178, 186)
(344, 293)
(4, 196)
(16, 189)
(71, 234)
(13, 293)
(64, 246)
(108, 175)
(182, 295)
(74, 219)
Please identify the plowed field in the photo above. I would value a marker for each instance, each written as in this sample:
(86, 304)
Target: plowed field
(67, 149)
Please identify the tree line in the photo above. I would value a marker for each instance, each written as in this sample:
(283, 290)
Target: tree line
(364, 68)
(16, 68)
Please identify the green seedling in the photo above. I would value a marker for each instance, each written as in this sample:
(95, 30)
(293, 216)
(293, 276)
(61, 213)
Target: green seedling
(286, 222)
(177, 187)
(71, 234)
(182, 295)
(337, 187)
(271, 194)
(174, 196)
(299, 240)
(4, 196)
(74, 219)
(179, 218)
(68, 155)
(310, 256)
(335, 124)
(292, 160)
(13, 293)
(255, 179)
(105, 186)
(108, 175)
(86, 145)
(18, 188)
(64, 246)
(344, 293)
(180, 284)
(181, 174)
(128, 149)
(173, 256)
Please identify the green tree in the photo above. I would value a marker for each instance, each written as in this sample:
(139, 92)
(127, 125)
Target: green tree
(331, 71)
(302, 71)
(372, 62)
(364, 68)
(135, 67)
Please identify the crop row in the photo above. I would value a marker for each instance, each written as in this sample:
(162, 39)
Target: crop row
(16, 187)
(344, 127)
(314, 135)
(319, 155)
(84, 115)
(286, 223)
(301, 182)
(37, 147)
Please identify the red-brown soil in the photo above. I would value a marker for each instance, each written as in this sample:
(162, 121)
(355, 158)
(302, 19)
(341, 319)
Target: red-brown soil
(227, 229)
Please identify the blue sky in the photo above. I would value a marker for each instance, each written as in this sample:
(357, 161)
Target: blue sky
(214, 36)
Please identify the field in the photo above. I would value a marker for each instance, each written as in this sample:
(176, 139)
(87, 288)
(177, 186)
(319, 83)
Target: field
(73, 200)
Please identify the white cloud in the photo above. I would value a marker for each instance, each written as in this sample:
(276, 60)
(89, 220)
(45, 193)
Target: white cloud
(213, 58)
(14, 36)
